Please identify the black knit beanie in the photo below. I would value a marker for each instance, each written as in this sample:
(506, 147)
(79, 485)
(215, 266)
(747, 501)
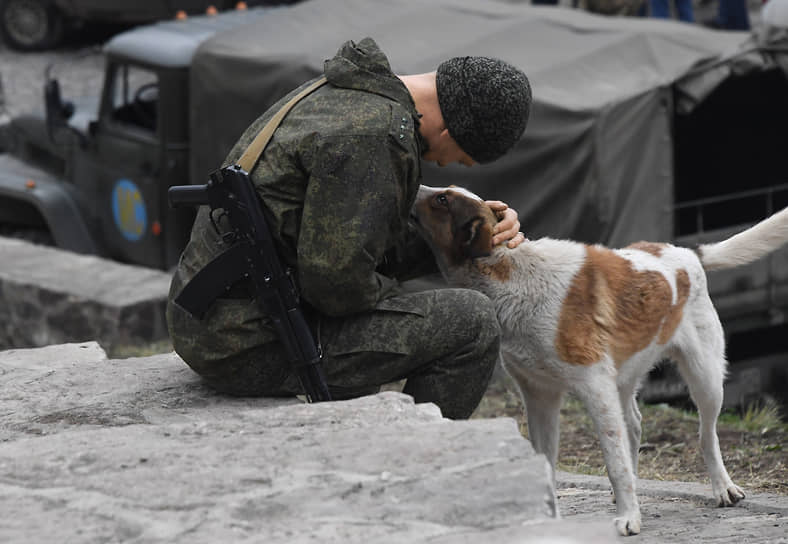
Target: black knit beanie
(485, 104)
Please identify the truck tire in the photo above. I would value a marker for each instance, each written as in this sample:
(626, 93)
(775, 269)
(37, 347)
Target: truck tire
(38, 236)
(30, 25)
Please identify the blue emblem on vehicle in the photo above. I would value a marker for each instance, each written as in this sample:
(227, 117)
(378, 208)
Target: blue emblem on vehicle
(128, 209)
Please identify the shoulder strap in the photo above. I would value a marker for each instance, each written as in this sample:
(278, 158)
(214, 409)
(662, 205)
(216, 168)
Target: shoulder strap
(256, 148)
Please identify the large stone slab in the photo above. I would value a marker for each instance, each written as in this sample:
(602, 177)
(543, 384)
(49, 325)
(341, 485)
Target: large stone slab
(96, 450)
(50, 296)
(49, 357)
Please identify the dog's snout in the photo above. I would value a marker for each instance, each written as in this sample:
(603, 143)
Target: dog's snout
(424, 194)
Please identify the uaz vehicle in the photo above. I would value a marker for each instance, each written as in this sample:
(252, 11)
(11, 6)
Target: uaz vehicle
(92, 175)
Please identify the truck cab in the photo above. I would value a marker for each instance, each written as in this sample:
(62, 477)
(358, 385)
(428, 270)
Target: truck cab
(91, 174)
(135, 149)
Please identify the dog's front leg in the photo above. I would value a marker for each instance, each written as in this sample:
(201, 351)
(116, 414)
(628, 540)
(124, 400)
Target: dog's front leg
(543, 414)
(542, 408)
(600, 395)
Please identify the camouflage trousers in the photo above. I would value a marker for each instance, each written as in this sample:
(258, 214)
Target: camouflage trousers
(443, 342)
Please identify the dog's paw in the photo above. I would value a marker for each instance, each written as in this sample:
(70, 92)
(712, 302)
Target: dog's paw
(628, 525)
(730, 495)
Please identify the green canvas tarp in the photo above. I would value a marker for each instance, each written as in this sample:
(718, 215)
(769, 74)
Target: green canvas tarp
(596, 162)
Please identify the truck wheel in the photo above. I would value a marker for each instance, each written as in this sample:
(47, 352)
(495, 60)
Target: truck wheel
(38, 236)
(30, 25)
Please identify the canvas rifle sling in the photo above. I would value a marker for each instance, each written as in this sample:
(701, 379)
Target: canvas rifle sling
(258, 145)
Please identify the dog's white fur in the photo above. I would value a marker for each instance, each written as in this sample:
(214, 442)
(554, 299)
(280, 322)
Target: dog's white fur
(593, 321)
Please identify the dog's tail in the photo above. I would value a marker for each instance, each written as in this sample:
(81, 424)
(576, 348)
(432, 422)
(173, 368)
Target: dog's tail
(747, 246)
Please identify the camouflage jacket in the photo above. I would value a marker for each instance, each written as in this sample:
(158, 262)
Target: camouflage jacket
(337, 182)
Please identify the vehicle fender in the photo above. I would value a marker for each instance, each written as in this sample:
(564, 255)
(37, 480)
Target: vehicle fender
(51, 198)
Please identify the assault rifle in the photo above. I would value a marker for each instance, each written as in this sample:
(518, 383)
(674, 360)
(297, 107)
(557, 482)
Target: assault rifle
(251, 258)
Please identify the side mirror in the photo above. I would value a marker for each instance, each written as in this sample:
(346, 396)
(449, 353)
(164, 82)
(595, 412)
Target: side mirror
(57, 111)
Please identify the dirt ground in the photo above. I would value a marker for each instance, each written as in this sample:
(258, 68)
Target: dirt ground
(677, 512)
(754, 448)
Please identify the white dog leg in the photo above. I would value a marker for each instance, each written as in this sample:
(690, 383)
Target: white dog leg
(632, 418)
(704, 379)
(543, 409)
(600, 396)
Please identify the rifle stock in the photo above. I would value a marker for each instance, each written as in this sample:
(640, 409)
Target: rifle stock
(251, 256)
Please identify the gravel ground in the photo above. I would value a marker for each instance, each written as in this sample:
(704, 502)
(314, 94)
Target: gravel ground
(679, 512)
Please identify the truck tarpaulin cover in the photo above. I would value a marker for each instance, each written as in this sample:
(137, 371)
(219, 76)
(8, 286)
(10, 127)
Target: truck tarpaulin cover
(595, 163)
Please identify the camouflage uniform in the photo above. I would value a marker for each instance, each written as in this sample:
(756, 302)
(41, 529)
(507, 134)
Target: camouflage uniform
(337, 182)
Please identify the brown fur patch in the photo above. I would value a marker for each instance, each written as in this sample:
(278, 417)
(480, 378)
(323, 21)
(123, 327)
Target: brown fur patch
(612, 308)
(649, 247)
(500, 271)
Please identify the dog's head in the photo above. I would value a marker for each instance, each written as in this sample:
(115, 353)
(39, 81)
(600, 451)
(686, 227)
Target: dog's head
(456, 223)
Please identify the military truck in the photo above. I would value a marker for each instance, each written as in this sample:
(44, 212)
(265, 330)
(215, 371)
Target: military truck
(91, 175)
(29, 25)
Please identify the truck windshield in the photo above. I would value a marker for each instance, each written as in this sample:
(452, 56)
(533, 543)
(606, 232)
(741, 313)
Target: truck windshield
(135, 96)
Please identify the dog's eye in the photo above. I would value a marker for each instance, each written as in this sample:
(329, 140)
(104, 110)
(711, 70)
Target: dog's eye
(442, 199)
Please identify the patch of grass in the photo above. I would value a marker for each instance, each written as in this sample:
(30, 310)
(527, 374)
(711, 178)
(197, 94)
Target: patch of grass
(756, 418)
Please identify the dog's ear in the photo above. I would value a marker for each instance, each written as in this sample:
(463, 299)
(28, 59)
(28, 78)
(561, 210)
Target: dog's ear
(476, 238)
(471, 231)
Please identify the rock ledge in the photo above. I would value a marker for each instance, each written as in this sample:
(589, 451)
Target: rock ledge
(93, 449)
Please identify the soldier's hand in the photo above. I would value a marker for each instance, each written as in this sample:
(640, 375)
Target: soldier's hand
(508, 227)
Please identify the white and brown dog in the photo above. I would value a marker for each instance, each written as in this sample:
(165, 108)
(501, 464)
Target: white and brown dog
(592, 321)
